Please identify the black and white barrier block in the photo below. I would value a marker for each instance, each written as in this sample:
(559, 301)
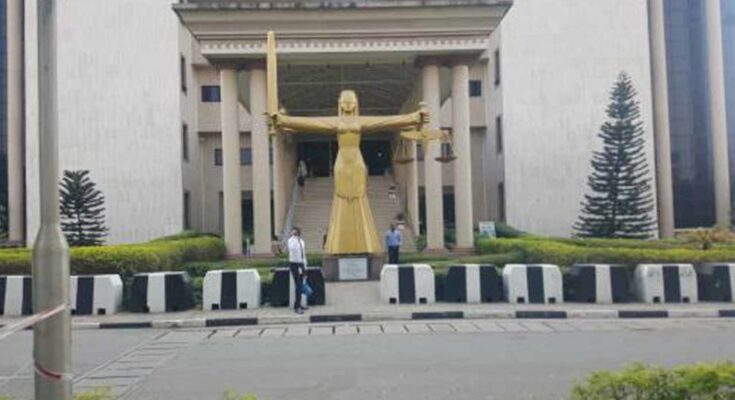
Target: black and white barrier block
(716, 282)
(161, 292)
(283, 292)
(600, 283)
(533, 283)
(472, 283)
(231, 290)
(407, 284)
(15, 295)
(95, 294)
(665, 283)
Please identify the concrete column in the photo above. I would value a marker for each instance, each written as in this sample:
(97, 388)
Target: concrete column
(412, 189)
(261, 169)
(279, 188)
(463, 163)
(717, 114)
(432, 168)
(662, 133)
(15, 79)
(231, 162)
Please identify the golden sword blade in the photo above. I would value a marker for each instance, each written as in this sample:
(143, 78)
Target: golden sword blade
(272, 78)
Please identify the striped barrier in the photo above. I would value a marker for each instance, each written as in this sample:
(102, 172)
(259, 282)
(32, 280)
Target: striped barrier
(665, 283)
(537, 283)
(716, 282)
(16, 295)
(472, 283)
(599, 283)
(407, 284)
(283, 292)
(231, 290)
(161, 292)
(95, 294)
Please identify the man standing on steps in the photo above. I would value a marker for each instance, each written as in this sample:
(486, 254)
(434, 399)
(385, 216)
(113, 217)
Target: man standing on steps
(297, 265)
(393, 243)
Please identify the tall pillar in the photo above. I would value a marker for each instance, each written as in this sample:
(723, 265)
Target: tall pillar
(15, 79)
(279, 188)
(231, 162)
(261, 164)
(463, 163)
(662, 133)
(412, 189)
(717, 113)
(432, 168)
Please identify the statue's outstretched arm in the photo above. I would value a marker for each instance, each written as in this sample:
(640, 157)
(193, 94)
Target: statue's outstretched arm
(326, 125)
(394, 122)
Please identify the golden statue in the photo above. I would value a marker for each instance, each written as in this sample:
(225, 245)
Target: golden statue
(351, 226)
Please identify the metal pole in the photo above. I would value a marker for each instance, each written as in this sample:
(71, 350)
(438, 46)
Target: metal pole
(51, 337)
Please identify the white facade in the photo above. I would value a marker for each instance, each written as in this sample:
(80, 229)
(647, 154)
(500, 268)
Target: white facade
(559, 60)
(123, 108)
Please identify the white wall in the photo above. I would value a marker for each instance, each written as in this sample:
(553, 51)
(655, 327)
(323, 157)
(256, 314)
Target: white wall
(119, 111)
(559, 59)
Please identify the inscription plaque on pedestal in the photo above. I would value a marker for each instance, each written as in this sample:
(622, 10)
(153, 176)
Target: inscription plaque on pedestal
(353, 269)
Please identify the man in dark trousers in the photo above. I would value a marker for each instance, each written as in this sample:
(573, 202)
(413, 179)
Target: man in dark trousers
(393, 243)
(297, 265)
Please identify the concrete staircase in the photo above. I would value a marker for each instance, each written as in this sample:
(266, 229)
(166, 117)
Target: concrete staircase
(312, 210)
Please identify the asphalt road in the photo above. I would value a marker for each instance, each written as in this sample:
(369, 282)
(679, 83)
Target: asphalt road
(437, 360)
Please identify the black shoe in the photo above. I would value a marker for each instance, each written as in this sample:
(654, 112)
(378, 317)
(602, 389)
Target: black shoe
(298, 310)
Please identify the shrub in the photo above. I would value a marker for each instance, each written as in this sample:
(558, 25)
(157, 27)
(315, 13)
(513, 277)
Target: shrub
(124, 259)
(569, 252)
(714, 381)
(506, 231)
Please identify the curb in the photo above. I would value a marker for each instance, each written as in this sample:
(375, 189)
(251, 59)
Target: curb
(406, 316)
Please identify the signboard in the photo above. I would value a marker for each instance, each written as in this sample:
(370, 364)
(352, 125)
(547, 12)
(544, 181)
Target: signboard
(353, 269)
(487, 229)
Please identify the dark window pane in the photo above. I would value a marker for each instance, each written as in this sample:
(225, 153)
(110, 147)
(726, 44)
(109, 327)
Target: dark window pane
(210, 94)
(246, 156)
(185, 141)
(183, 73)
(475, 88)
(497, 67)
(218, 157)
(499, 134)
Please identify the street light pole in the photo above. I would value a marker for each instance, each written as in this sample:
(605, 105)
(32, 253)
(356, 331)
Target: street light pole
(51, 337)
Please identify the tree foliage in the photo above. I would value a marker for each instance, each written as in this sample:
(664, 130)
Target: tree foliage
(620, 201)
(82, 210)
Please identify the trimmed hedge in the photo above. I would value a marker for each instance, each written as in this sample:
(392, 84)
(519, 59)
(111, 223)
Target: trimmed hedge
(566, 252)
(158, 255)
(714, 381)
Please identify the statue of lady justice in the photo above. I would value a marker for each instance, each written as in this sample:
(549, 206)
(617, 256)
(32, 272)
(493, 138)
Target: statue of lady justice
(351, 226)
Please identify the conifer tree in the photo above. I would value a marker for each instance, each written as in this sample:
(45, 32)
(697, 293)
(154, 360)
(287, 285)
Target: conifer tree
(620, 201)
(82, 210)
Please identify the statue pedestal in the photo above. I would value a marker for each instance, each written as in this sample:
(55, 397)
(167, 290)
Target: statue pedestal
(352, 267)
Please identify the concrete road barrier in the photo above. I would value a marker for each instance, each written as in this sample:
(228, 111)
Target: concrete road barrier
(472, 283)
(716, 282)
(407, 284)
(665, 283)
(15, 295)
(231, 290)
(161, 292)
(95, 294)
(283, 292)
(533, 283)
(599, 283)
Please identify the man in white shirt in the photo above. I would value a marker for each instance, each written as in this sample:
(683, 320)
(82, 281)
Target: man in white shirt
(297, 265)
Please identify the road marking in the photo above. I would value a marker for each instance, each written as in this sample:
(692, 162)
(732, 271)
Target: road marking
(370, 329)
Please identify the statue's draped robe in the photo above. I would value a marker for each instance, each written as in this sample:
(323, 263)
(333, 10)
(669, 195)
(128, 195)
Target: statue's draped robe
(351, 226)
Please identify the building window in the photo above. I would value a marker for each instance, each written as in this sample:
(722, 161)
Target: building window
(182, 65)
(246, 156)
(187, 210)
(499, 134)
(501, 202)
(210, 94)
(185, 141)
(497, 67)
(475, 88)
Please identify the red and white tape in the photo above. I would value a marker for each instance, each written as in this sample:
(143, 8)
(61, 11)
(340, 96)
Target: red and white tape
(32, 320)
